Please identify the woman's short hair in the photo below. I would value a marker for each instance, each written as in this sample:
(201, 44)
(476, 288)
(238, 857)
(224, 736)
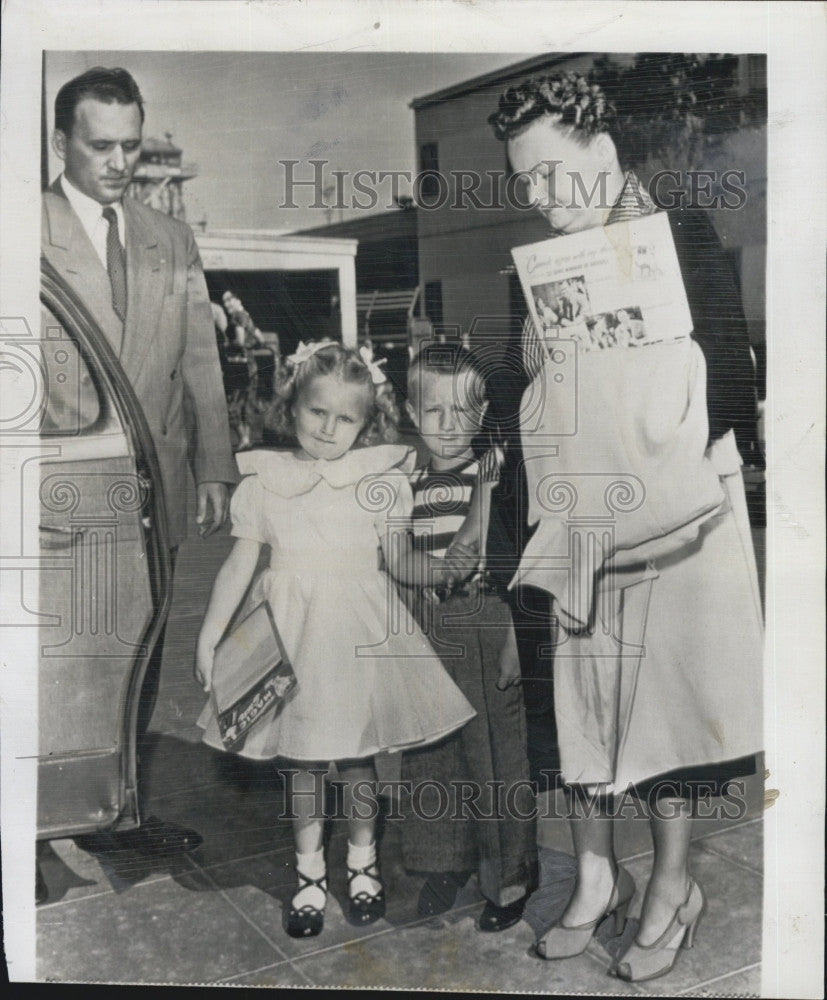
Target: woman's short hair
(109, 86)
(382, 424)
(572, 99)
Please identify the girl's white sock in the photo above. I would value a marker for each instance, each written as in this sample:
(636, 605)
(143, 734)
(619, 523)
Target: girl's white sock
(362, 856)
(311, 865)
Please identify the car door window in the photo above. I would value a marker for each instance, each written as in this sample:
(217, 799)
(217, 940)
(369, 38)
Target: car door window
(73, 400)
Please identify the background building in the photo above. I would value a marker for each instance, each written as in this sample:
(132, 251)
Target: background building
(159, 178)
(387, 271)
(388, 299)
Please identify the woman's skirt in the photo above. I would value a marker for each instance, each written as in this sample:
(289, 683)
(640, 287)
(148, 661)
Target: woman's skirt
(668, 681)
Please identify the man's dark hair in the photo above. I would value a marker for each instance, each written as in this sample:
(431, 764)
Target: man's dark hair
(106, 85)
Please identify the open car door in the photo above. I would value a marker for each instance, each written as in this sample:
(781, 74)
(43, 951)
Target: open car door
(105, 574)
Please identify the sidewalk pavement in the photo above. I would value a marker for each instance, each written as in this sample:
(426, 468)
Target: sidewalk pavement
(214, 916)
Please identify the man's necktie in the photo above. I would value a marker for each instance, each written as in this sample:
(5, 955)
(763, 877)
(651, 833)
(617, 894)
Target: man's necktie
(115, 264)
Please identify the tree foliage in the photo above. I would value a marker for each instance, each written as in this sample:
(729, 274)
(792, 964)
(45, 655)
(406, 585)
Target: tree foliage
(676, 103)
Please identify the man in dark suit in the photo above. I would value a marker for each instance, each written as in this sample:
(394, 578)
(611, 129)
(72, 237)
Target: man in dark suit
(139, 273)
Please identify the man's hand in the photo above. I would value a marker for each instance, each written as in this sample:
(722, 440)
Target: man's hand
(213, 504)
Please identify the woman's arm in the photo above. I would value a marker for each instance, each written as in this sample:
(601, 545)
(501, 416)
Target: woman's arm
(229, 588)
(719, 326)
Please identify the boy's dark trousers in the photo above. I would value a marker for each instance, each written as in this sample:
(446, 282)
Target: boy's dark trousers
(467, 632)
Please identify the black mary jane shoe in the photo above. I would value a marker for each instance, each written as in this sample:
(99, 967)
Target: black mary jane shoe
(500, 918)
(364, 907)
(307, 920)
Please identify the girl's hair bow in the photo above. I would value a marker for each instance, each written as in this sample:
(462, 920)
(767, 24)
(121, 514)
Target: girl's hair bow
(376, 373)
(305, 351)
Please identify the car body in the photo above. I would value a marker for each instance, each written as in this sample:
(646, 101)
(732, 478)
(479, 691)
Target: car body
(104, 573)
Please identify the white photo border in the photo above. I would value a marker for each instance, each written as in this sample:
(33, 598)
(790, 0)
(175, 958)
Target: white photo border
(792, 35)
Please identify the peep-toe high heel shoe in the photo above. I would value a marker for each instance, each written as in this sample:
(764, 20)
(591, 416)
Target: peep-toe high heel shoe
(641, 962)
(566, 942)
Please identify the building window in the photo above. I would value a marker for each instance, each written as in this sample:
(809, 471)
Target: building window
(433, 302)
(429, 165)
(757, 72)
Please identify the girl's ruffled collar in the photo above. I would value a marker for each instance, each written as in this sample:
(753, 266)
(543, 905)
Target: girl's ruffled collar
(283, 473)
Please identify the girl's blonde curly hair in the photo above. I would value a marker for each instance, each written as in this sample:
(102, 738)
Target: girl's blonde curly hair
(382, 423)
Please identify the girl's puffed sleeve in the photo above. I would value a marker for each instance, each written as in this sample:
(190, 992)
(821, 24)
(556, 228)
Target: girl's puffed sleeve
(402, 504)
(247, 511)
(388, 496)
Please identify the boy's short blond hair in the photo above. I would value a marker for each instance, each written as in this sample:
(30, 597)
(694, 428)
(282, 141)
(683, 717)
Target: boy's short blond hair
(448, 359)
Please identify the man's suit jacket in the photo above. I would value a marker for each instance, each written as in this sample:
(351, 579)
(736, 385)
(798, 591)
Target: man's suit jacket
(166, 345)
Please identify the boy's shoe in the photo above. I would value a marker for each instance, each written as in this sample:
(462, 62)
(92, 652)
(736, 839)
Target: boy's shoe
(439, 892)
(499, 918)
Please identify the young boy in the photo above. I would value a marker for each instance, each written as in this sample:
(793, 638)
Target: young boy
(475, 783)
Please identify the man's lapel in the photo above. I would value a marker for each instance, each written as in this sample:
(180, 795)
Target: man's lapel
(144, 290)
(69, 249)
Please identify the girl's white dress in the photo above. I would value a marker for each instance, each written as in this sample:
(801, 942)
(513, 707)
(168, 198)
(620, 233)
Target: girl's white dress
(368, 680)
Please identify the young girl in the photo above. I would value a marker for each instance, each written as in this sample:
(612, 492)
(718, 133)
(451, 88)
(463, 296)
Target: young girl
(364, 684)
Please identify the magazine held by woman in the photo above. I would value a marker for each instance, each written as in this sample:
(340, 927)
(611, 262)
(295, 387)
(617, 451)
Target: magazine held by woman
(621, 398)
